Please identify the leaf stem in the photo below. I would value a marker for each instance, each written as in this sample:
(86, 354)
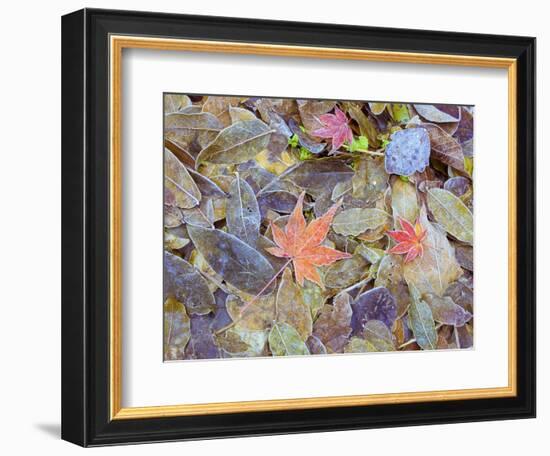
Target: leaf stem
(365, 151)
(253, 300)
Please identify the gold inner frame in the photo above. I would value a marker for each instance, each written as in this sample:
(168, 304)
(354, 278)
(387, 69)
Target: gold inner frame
(117, 44)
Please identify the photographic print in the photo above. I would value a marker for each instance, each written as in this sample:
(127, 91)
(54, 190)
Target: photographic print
(316, 227)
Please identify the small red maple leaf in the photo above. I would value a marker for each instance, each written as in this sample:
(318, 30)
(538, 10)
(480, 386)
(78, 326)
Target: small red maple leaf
(302, 244)
(335, 127)
(409, 239)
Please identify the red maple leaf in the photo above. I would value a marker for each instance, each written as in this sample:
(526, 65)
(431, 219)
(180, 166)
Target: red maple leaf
(409, 239)
(335, 127)
(301, 243)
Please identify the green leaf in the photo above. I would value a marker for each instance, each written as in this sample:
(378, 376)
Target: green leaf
(452, 214)
(284, 340)
(305, 154)
(355, 221)
(234, 260)
(177, 329)
(359, 143)
(399, 112)
(422, 322)
(293, 140)
(237, 143)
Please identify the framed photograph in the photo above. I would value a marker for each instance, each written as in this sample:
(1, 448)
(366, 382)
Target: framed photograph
(278, 227)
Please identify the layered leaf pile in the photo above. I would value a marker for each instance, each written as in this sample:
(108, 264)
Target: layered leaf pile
(313, 227)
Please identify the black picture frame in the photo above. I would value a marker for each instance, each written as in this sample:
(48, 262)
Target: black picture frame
(85, 228)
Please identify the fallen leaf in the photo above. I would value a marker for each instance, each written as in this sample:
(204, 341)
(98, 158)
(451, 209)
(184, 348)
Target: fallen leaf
(315, 346)
(243, 213)
(378, 336)
(408, 152)
(188, 129)
(438, 113)
(174, 102)
(422, 322)
(404, 201)
(257, 316)
(177, 329)
(310, 110)
(284, 340)
(333, 326)
(302, 244)
(355, 221)
(370, 179)
(291, 308)
(203, 342)
(304, 139)
(315, 176)
(390, 276)
(335, 126)
(452, 214)
(346, 272)
(444, 147)
(410, 240)
(234, 260)
(178, 181)
(375, 304)
(183, 282)
(445, 311)
(437, 268)
(237, 143)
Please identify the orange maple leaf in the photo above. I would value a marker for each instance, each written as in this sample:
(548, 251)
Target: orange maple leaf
(301, 243)
(409, 239)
